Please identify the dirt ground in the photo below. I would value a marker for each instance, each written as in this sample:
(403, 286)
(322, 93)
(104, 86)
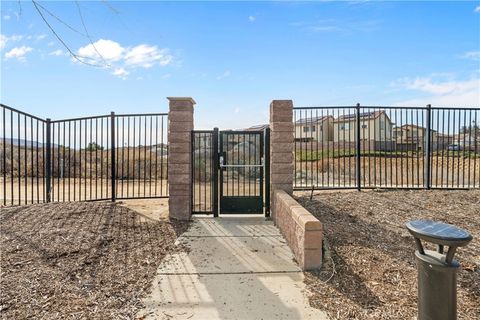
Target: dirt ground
(80, 260)
(369, 268)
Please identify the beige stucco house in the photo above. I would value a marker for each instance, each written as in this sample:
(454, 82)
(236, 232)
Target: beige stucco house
(314, 129)
(412, 137)
(374, 126)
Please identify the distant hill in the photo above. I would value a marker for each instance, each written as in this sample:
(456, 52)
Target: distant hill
(23, 142)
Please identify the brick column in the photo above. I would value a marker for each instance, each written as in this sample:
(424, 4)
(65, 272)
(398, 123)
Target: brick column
(180, 126)
(281, 147)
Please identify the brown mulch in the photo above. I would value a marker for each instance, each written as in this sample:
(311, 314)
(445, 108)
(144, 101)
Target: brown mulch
(369, 267)
(79, 260)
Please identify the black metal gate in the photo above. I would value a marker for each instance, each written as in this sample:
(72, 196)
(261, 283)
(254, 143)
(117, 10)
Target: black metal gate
(230, 172)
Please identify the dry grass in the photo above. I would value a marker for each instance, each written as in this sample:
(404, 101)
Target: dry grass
(388, 171)
(371, 273)
(79, 260)
(132, 162)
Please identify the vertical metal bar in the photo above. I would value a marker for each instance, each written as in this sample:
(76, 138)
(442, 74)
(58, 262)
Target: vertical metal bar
(318, 133)
(133, 149)
(221, 170)
(11, 158)
(476, 155)
(267, 170)
(295, 154)
(58, 161)
(358, 149)
(63, 163)
(145, 158)
(31, 160)
(469, 146)
(19, 161)
(25, 156)
(37, 162)
(215, 171)
(74, 160)
(460, 148)
(69, 154)
(5, 159)
(48, 161)
(343, 153)
(86, 162)
(448, 143)
(384, 144)
(260, 151)
(123, 153)
(128, 157)
(464, 146)
(150, 158)
(97, 145)
(112, 136)
(327, 121)
(161, 158)
(101, 157)
(192, 155)
(90, 153)
(428, 147)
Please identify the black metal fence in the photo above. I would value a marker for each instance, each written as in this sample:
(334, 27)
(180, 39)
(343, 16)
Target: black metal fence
(386, 147)
(104, 157)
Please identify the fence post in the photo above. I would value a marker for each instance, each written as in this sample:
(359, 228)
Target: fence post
(266, 155)
(358, 149)
(180, 126)
(215, 171)
(48, 161)
(281, 148)
(427, 155)
(113, 173)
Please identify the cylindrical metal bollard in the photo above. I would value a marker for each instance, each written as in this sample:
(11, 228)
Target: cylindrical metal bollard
(437, 271)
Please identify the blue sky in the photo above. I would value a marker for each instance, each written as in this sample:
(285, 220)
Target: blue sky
(233, 58)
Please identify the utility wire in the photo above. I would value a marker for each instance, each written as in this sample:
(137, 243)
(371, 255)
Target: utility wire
(73, 54)
(89, 37)
(60, 20)
(106, 3)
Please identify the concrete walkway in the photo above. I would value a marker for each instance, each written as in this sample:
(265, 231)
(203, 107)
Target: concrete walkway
(236, 268)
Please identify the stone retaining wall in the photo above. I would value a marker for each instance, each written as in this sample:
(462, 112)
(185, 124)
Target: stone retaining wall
(300, 228)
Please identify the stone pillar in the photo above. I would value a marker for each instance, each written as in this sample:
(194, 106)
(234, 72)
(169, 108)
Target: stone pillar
(281, 147)
(180, 126)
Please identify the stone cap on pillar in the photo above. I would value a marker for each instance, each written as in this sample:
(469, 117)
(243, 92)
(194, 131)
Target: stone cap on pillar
(188, 99)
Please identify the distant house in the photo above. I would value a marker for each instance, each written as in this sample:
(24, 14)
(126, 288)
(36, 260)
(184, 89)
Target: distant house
(314, 129)
(374, 127)
(413, 137)
(467, 141)
(258, 127)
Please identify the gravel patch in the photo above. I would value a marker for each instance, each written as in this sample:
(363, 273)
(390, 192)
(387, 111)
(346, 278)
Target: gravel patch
(79, 260)
(369, 268)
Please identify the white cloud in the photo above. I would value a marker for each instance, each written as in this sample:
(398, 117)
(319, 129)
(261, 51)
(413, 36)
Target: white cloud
(252, 18)
(166, 76)
(473, 55)
(57, 53)
(237, 110)
(146, 56)
(18, 53)
(121, 59)
(51, 43)
(477, 9)
(226, 74)
(121, 73)
(108, 49)
(443, 93)
(41, 37)
(6, 17)
(5, 39)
